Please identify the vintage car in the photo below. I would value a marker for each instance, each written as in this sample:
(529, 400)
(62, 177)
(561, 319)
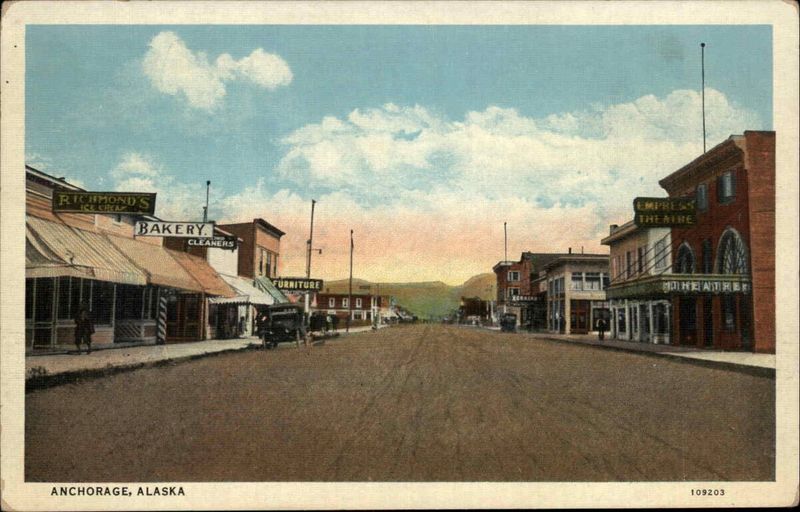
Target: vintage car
(508, 322)
(283, 322)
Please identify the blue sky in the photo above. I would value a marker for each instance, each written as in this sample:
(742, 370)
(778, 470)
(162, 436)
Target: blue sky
(391, 126)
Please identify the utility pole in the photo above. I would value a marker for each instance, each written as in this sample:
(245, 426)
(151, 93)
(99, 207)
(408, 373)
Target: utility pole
(505, 243)
(350, 293)
(703, 89)
(308, 263)
(205, 208)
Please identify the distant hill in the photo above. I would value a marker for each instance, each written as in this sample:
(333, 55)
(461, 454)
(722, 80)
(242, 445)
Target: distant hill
(424, 299)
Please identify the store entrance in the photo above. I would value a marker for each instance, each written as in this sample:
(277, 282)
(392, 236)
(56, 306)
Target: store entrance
(579, 316)
(708, 322)
(688, 321)
(183, 318)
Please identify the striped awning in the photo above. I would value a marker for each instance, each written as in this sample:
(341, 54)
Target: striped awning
(157, 262)
(247, 293)
(204, 274)
(54, 249)
(267, 286)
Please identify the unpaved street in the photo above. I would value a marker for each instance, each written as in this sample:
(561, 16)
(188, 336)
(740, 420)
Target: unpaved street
(424, 402)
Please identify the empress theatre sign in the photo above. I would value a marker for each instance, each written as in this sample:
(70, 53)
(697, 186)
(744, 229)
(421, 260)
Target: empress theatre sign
(705, 286)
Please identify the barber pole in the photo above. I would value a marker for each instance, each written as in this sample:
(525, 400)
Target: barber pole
(162, 319)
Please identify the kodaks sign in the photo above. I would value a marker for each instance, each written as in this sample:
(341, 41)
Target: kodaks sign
(175, 229)
(298, 284)
(664, 212)
(65, 201)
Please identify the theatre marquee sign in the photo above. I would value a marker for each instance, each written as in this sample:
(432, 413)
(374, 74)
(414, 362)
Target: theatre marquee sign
(681, 284)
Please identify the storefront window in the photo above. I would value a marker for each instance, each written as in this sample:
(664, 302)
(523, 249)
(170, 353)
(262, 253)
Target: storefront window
(130, 301)
(44, 299)
(102, 302)
(30, 284)
(660, 319)
(64, 297)
(621, 320)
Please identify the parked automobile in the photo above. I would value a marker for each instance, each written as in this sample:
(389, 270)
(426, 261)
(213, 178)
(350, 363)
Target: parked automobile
(508, 322)
(283, 322)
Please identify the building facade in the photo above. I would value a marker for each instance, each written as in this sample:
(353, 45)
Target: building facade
(136, 290)
(520, 290)
(723, 285)
(576, 297)
(259, 250)
(365, 307)
(637, 256)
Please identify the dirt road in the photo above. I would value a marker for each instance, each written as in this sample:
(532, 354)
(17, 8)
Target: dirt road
(416, 403)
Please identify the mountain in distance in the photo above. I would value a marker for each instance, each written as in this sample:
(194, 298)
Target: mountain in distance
(427, 299)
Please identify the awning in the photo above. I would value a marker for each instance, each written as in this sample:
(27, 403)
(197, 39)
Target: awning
(267, 286)
(204, 274)
(54, 249)
(246, 293)
(158, 263)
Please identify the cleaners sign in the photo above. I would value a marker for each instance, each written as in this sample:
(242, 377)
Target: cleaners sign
(65, 201)
(217, 242)
(174, 229)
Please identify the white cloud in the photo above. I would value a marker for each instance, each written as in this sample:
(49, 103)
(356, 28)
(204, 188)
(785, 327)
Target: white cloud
(175, 69)
(427, 196)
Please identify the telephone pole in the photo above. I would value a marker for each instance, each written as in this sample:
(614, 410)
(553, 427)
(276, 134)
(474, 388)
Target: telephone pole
(308, 262)
(350, 293)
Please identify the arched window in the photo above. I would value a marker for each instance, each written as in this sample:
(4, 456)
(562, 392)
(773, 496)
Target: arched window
(684, 262)
(732, 253)
(708, 262)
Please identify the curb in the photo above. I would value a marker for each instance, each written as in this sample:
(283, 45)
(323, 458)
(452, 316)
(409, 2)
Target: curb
(757, 371)
(58, 379)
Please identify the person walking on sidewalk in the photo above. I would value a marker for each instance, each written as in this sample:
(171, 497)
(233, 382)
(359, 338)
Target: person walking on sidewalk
(601, 328)
(84, 328)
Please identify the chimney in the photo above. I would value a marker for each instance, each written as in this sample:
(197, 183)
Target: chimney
(581, 249)
(569, 250)
(612, 228)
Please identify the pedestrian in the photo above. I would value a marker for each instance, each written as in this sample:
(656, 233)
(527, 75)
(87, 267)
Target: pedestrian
(601, 328)
(262, 327)
(84, 328)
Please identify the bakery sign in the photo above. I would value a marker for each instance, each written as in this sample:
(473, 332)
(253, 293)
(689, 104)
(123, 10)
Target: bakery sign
(174, 229)
(297, 284)
(656, 212)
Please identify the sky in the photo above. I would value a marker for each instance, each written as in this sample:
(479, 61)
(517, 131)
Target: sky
(423, 140)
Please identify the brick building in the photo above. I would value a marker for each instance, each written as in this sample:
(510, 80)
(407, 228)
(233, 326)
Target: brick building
(364, 307)
(723, 283)
(260, 247)
(520, 290)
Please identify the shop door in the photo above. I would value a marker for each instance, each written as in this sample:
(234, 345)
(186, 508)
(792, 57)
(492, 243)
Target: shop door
(579, 317)
(40, 311)
(644, 323)
(708, 322)
(183, 318)
(687, 321)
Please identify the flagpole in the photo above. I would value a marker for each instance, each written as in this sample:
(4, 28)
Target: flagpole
(350, 293)
(703, 88)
